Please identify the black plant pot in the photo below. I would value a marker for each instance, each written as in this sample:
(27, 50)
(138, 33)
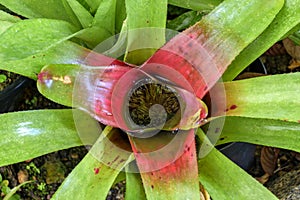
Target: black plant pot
(243, 154)
(240, 153)
(12, 94)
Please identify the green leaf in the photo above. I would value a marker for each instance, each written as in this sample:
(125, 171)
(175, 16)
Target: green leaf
(134, 184)
(65, 53)
(295, 37)
(121, 16)
(225, 180)
(94, 4)
(52, 9)
(6, 21)
(56, 82)
(143, 42)
(93, 36)
(227, 26)
(103, 25)
(286, 19)
(196, 4)
(4, 25)
(29, 134)
(271, 97)
(82, 14)
(168, 165)
(184, 21)
(29, 37)
(105, 16)
(275, 133)
(4, 16)
(92, 179)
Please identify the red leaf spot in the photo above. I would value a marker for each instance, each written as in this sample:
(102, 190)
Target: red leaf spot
(152, 186)
(96, 170)
(298, 121)
(233, 107)
(217, 130)
(43, 77)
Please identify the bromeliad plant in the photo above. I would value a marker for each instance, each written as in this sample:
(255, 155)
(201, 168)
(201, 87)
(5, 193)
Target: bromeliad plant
(53, 47)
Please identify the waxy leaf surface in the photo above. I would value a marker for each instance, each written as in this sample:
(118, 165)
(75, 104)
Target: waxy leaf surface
(270, 97)
(267, 132)
(29, 37)
(52, 9)
(203, 52)
(93, 176)
(285, 20)
(225, 180)
(29, 134)
(168, 165)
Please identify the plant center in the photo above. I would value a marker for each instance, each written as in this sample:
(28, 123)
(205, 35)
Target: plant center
(153, 104)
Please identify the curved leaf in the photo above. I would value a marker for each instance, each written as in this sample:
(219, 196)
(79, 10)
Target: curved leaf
(225, 180)
(196, 4)
(184, 21)
(92, 179)
(275, 133)
(4, 16)
(168, 165)
(146, 28)
(203, 52)
(82, 14)
(56, 82)
(134, 184)
(52, 9)
(4, 25)
(271, 97)
(66, 53)
(26, 135)
(93, 4)
(287, 19)
(29, 37)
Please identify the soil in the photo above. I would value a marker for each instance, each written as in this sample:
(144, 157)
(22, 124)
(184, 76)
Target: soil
(6, 78)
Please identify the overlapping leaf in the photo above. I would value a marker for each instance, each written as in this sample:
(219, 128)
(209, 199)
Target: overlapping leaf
(26, 135)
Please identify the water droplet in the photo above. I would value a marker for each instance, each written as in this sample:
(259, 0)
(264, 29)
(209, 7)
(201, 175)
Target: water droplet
(175, 131)
(109, 114)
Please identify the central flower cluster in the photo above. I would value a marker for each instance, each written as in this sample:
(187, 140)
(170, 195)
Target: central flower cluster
(153, 104)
